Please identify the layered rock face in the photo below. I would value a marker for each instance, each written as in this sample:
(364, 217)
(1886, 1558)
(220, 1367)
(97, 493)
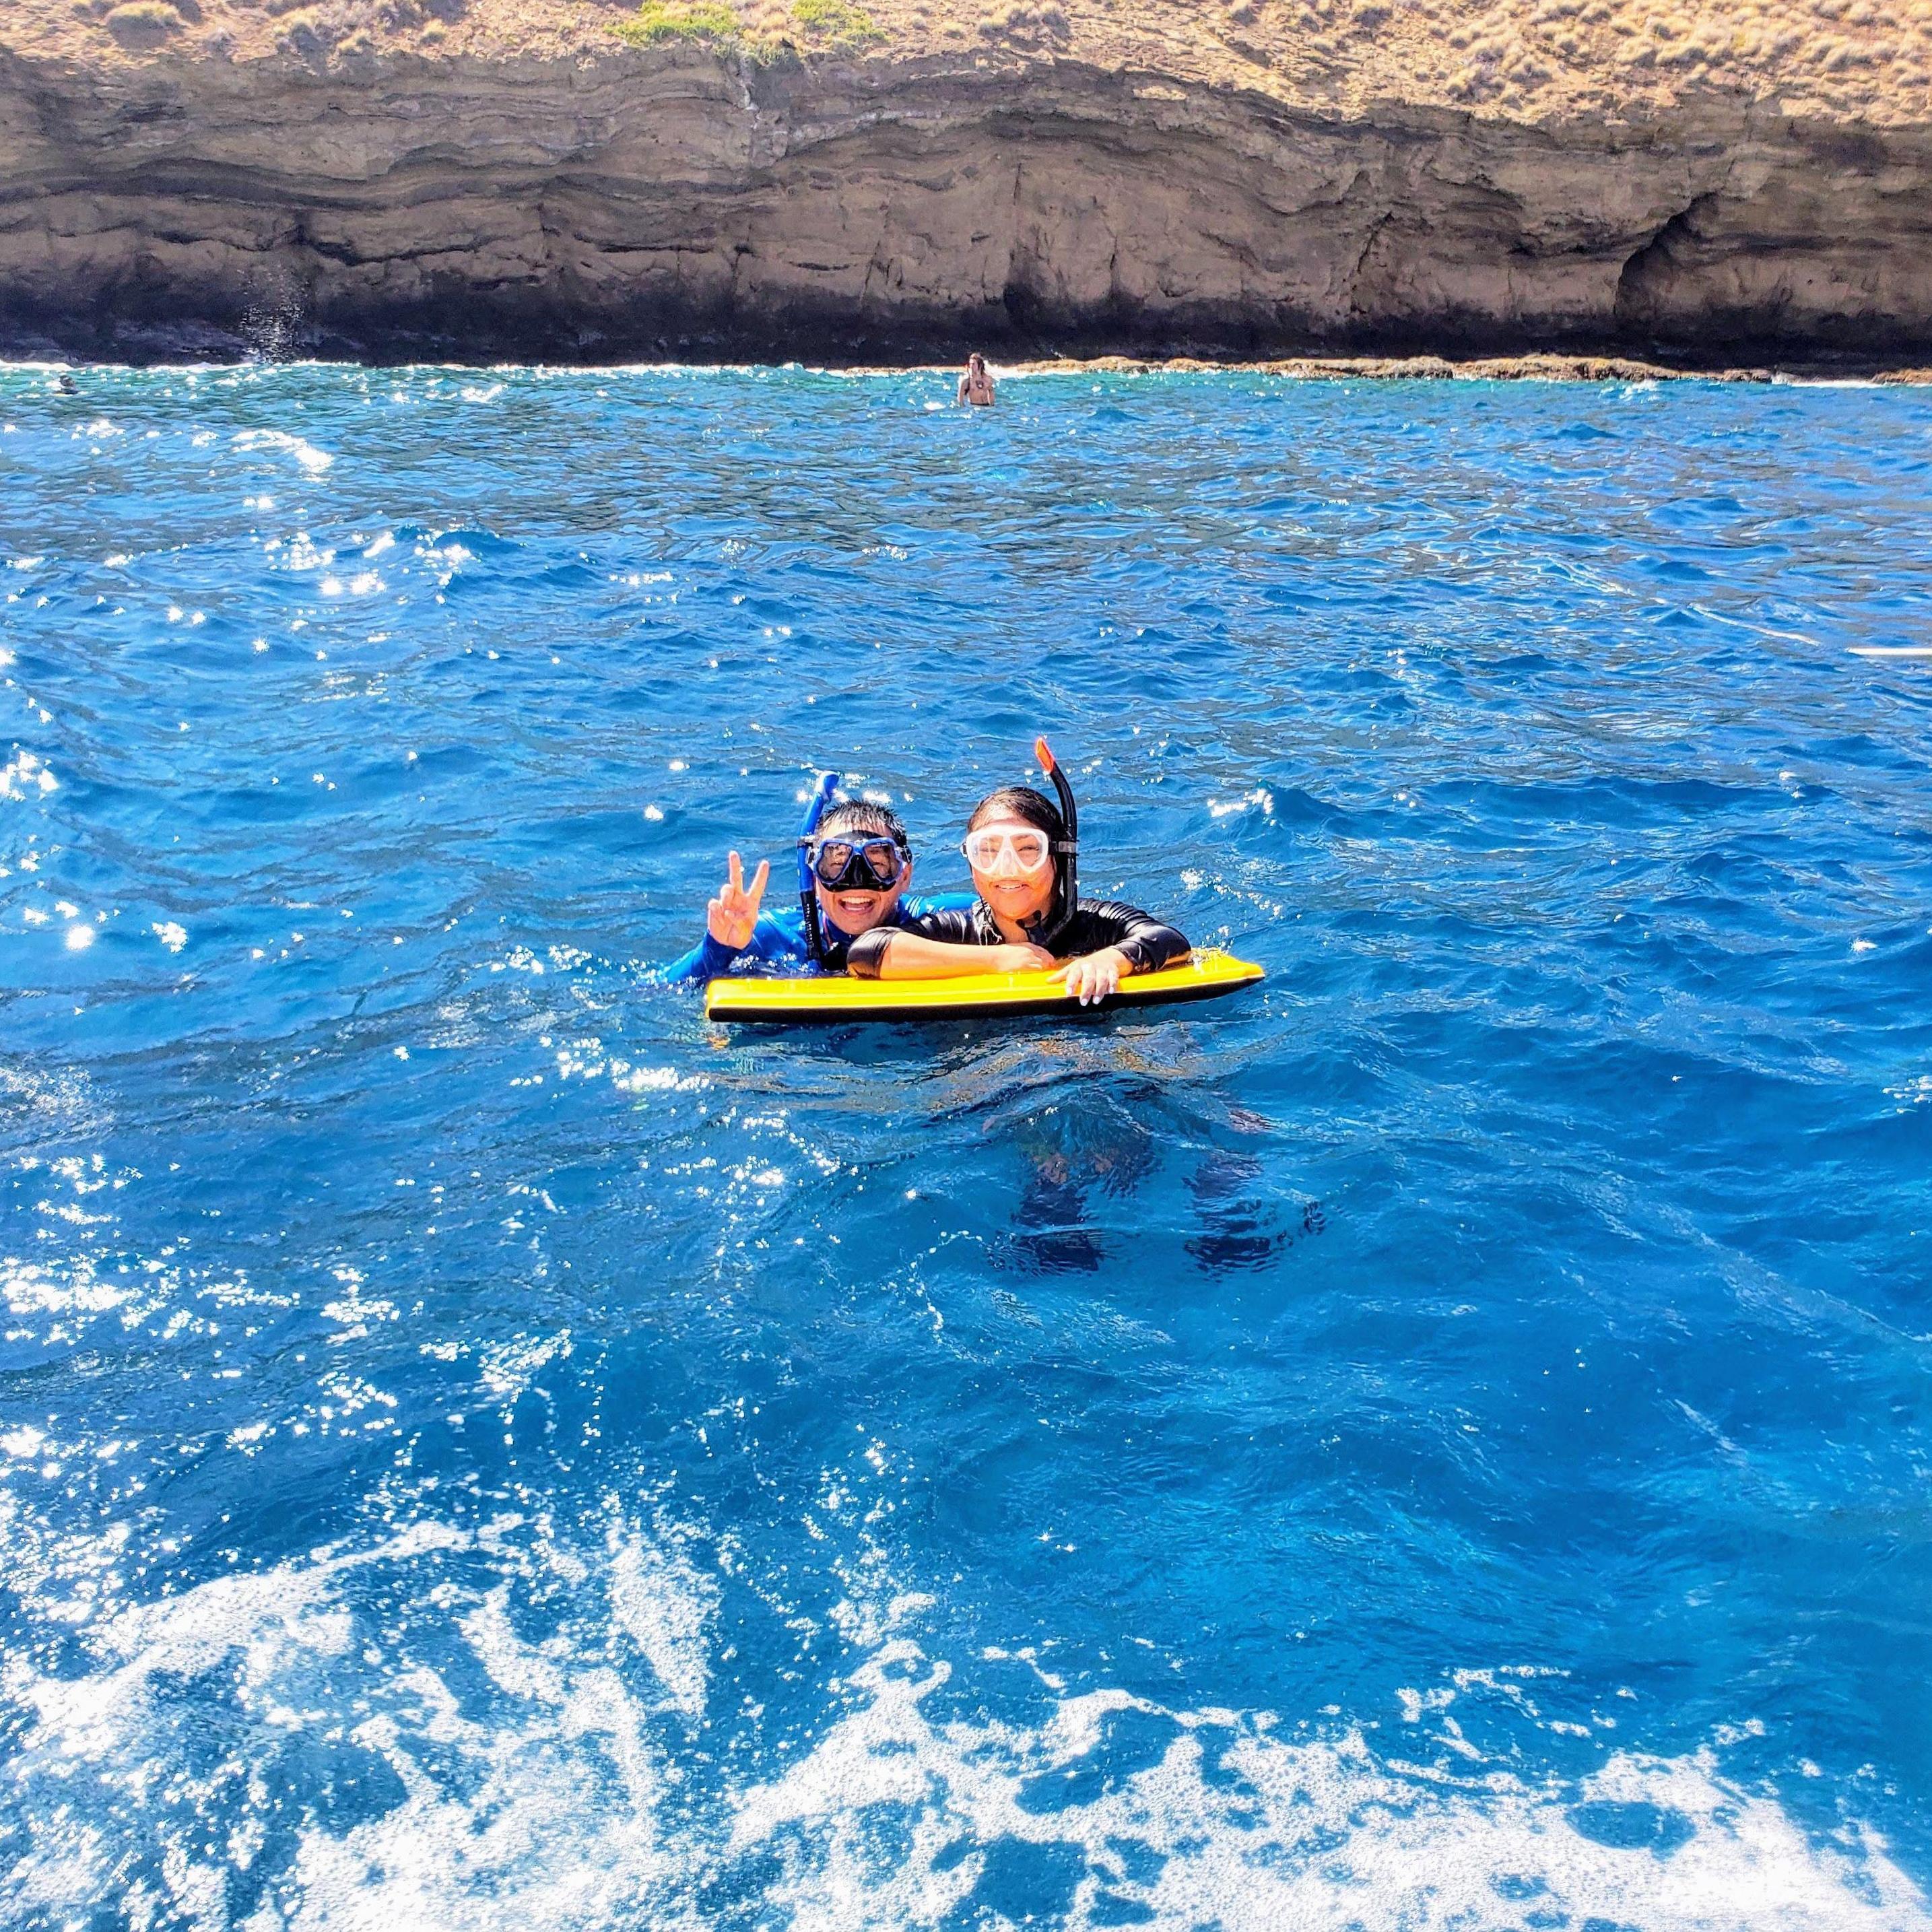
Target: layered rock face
(642, 202)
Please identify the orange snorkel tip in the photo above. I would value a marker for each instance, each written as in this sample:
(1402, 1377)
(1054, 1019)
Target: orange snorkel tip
(1044, 753)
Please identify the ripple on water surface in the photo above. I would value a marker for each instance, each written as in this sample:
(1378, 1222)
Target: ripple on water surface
(1442, 1440)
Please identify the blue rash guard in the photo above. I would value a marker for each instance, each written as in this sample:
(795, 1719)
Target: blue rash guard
(778, 939)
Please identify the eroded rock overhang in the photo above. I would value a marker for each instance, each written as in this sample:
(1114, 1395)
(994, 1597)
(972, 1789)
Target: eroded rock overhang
(642, 204)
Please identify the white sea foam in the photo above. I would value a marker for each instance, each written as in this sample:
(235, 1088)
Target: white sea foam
(662, 1603)
(1235, 1826)
(537, 1802)
(537, 1780)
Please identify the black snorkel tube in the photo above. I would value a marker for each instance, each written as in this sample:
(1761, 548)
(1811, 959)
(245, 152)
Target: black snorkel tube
(808, 886)
(1069, 848)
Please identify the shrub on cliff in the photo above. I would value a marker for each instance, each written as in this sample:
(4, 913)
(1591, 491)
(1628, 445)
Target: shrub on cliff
(776, 33)
(657, 20)
(1025, 25)
(143, 23)
(836, 25)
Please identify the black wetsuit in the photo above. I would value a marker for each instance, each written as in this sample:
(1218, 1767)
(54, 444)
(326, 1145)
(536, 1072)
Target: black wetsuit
(1098, 924)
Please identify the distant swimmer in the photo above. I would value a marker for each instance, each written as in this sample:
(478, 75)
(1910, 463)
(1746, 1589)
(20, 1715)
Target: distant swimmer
(975, 386)
(67, 385)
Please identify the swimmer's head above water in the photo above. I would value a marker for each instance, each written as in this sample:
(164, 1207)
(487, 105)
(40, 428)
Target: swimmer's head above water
(861, 861)
(854, 860)
(1016, 843)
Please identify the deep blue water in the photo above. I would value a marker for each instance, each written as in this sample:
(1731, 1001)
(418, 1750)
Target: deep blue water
(1444, 1441)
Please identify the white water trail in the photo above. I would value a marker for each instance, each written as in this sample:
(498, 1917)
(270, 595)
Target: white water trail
(524, 1769)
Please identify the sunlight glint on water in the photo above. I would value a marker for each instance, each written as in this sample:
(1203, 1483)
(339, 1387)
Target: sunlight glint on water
(1440, 1441)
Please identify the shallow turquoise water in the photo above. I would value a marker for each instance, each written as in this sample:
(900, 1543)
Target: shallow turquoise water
(1445, 1441)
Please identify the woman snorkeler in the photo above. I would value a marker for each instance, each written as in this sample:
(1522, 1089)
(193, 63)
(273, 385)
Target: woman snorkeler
(1022, 849)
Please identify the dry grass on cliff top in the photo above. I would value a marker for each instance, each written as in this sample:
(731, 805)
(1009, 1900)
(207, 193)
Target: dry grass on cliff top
(1860, 60)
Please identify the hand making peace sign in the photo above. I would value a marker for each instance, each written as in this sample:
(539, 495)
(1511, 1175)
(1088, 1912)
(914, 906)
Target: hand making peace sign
(729, 917)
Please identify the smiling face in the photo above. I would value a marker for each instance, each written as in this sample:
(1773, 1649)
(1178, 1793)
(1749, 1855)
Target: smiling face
(858, 902)
(853, 912)
(1014, 894)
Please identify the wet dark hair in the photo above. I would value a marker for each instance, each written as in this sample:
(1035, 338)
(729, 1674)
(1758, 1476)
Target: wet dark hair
(1023, 802)
(861, 815)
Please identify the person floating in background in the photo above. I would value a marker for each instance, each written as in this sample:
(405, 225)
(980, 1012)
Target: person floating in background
(1022, 850)
(859, 861)
(975, 386)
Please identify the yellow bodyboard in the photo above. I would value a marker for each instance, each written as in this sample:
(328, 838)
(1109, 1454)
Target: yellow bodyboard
(803, 1001)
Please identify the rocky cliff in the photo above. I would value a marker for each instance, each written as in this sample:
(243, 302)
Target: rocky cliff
(592, 199)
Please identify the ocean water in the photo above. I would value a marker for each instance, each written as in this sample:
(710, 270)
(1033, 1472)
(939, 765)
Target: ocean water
(1442, 1440)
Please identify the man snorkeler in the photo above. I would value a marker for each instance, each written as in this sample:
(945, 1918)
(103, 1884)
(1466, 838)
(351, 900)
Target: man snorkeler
(858, 861)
